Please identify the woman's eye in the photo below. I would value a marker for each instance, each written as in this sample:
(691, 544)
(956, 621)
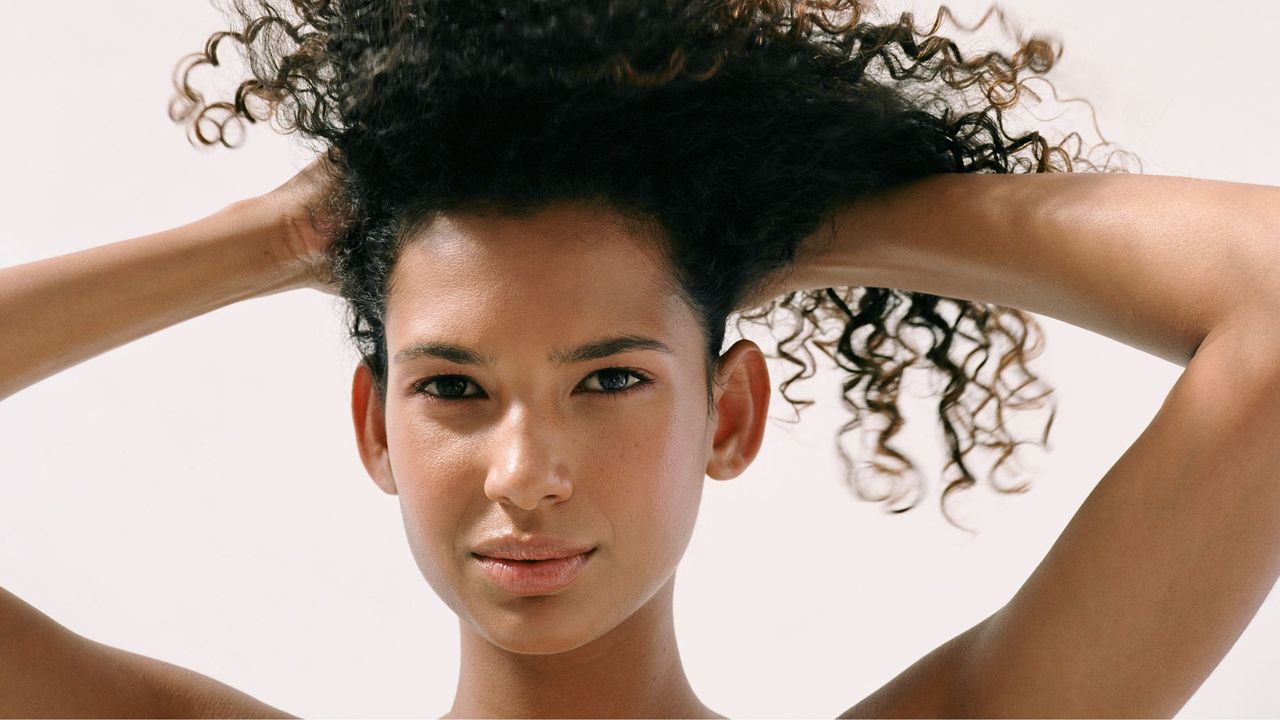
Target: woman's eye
(447, 387)
(615, 381)
(610, 381)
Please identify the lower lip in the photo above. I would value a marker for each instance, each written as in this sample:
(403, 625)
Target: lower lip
(533, 578)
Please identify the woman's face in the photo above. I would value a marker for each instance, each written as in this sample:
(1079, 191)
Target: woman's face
(493, 427)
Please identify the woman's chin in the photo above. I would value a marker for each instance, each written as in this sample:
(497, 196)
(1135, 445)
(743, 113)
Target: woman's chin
(528, 636)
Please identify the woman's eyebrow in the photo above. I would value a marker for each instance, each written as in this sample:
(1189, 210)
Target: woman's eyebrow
(589, 351)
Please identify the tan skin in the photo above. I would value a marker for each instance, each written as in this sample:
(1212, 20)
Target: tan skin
(522, 452)
(1191, 505)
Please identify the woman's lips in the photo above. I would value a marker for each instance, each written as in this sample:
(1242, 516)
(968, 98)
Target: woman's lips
(534, 577)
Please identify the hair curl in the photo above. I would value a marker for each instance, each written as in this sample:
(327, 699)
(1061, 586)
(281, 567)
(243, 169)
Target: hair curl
(734, 127)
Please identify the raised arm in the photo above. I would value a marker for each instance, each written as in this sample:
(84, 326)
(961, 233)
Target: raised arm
(1171, 555)
(1155, 262)
(60, 311)
(57, 312)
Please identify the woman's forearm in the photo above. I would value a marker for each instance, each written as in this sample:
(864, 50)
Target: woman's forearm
(57, 312)
(1155, 262)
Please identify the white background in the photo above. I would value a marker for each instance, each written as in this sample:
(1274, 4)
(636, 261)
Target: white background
(196, 495)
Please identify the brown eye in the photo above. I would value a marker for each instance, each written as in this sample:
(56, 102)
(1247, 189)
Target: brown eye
(447, 387)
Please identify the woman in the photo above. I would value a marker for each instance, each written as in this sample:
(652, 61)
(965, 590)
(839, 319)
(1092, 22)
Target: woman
(494, 325)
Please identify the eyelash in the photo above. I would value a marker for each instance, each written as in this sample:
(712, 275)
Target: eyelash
(420, 387)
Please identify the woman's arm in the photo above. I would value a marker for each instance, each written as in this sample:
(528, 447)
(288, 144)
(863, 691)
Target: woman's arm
(1152, 261)
(1171, 555)
(60, 311)
(57, 312)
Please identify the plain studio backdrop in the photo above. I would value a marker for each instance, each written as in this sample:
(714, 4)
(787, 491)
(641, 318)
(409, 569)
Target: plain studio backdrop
(196, 495)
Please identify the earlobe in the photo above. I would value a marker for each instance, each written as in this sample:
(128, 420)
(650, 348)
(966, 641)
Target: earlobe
(742, 406)
(369, 417)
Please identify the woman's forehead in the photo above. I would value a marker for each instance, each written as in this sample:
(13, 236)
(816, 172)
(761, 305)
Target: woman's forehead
(558, 229)
(570, 268)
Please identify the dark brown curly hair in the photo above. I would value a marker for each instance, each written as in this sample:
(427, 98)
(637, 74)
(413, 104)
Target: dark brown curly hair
(735, 128)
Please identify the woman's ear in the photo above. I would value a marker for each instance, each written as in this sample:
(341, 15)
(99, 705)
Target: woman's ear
(741, 399)
(369, 416)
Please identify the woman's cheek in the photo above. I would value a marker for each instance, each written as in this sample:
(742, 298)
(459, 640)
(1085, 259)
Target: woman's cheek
(431, 468)
(660, 468)
(426, 455)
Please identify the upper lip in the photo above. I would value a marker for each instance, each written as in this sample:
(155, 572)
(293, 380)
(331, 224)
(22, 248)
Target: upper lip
(529, 547)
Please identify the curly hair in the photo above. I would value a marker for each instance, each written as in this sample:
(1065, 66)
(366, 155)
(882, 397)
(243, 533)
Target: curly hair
(733, 128)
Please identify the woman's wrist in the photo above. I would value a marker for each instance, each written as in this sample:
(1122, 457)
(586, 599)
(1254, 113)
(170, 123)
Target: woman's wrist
(300, 221)
(834, 255)
(259, 229)
(62, 310)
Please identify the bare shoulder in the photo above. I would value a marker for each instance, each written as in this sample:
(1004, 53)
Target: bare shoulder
(926, 689)
(47, 670)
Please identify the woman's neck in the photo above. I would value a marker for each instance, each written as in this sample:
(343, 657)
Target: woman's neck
(632, 670)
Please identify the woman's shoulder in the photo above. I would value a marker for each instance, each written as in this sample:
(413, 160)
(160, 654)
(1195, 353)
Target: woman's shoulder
(927, 688)
(47, 670)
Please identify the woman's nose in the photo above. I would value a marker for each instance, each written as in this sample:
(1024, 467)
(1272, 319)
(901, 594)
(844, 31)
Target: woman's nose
(526, 466)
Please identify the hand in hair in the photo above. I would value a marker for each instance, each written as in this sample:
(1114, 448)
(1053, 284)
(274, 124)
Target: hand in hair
(309, 219)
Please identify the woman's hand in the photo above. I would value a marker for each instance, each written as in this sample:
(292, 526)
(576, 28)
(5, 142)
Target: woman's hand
(807, 271)
(308, 224)
(773, 286)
